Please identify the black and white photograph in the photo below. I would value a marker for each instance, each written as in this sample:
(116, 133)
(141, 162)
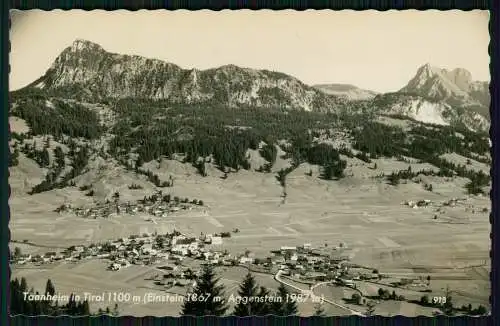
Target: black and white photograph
(249, 163)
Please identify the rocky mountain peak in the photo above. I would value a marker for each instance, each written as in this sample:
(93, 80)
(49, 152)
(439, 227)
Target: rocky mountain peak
(84, 45)
(455, 87)
(86, 71)
(427, 74)
(461, 77)
(427, 70)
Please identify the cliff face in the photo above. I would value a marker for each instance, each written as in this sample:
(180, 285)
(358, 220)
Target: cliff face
(454, 87)
(87, 69)
(429, 111)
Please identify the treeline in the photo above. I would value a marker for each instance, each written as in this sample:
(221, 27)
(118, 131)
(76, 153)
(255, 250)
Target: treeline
(252, 298)
(152, 177)
(41, 157)
(269, 153)
(50, 116)
(13, 157)
(421, 142)
(446, 305)
(21, 305)
(228, 149)
(199, 132)
(79, 156)
(426, 144)
(155, 179)
(325, 155)
(478, 179)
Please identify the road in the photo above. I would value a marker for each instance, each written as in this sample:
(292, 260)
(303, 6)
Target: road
(311, 294)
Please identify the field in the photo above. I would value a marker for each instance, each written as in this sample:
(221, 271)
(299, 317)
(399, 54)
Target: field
(362, 213)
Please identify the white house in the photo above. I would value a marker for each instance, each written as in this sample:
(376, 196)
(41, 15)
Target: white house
(348, 283)
(180, 250)
(245, 260)
(115, 267)
(193, 246)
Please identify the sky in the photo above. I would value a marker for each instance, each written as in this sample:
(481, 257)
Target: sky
(379, 51)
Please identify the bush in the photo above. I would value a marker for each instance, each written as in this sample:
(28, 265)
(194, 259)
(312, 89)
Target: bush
(481, 310)
(356, 298)
(85, 187)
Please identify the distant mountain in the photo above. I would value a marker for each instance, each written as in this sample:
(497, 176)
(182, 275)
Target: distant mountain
(86, 71)
(454, 87)
(349, 92)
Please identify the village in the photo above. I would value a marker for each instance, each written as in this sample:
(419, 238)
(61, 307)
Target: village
(440, 208)
(176, 260)
(175, 256)
(157, 205)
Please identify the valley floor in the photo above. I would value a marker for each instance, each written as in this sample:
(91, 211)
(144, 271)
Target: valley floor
(364, 214)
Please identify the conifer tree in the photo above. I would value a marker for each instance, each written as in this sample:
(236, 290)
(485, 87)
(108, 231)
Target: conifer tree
(447, 307)
(264, 308)
(24, 285)
(45, 158)
(248, 291)
(49, 288)
(85, 308)
(207, 297)
(284, 306)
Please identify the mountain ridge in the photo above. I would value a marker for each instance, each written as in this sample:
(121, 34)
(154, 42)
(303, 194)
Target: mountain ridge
(101, 74)
(86, 71)
(454, 87)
